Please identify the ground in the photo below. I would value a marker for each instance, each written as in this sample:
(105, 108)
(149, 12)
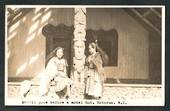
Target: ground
(144, 94)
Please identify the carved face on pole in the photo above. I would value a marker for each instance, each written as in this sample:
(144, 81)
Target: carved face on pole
(79, 47)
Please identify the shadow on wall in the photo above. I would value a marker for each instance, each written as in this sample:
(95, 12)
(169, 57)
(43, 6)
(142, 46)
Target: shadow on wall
(26, 44)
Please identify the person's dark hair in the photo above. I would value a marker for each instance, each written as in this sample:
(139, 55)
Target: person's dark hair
(53, 53)
(56, 49)
(93, 45)
(103, 54)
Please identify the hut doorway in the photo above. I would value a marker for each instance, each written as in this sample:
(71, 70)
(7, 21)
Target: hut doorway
(59, 36)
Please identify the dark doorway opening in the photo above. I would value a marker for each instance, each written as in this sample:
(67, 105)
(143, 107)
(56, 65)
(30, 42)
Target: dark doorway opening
(59, 36)
(107, 41)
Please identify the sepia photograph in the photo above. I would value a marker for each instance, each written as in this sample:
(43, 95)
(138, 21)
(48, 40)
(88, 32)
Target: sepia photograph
(84, 55)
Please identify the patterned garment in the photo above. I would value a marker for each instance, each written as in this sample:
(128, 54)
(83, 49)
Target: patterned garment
(55, 75)
(94, 84)
(95, 72)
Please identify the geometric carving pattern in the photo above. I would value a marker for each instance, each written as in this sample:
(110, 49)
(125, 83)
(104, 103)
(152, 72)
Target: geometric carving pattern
(79, 44)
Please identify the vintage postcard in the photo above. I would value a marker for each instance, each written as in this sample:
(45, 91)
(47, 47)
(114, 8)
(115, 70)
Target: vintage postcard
(84, 55)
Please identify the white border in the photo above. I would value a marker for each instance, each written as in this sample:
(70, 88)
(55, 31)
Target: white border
(85, 6)
(163, 56)
(90, 6)
(6, 61)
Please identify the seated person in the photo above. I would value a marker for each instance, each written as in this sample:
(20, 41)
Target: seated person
(55, 79)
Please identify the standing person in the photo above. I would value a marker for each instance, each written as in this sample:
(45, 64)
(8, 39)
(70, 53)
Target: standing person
(94, 73)
(55, 77)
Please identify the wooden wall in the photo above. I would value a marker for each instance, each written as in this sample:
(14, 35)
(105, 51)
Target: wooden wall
(26, 52)
(155, 58)
(133, 42)
(26, 44)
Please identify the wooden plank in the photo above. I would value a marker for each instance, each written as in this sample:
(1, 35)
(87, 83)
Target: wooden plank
(146, 21)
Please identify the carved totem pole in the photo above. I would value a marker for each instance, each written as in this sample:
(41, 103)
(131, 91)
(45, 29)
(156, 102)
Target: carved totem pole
(79, 44)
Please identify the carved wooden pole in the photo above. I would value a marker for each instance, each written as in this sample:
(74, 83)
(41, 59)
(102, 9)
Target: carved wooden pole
(79, 44)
